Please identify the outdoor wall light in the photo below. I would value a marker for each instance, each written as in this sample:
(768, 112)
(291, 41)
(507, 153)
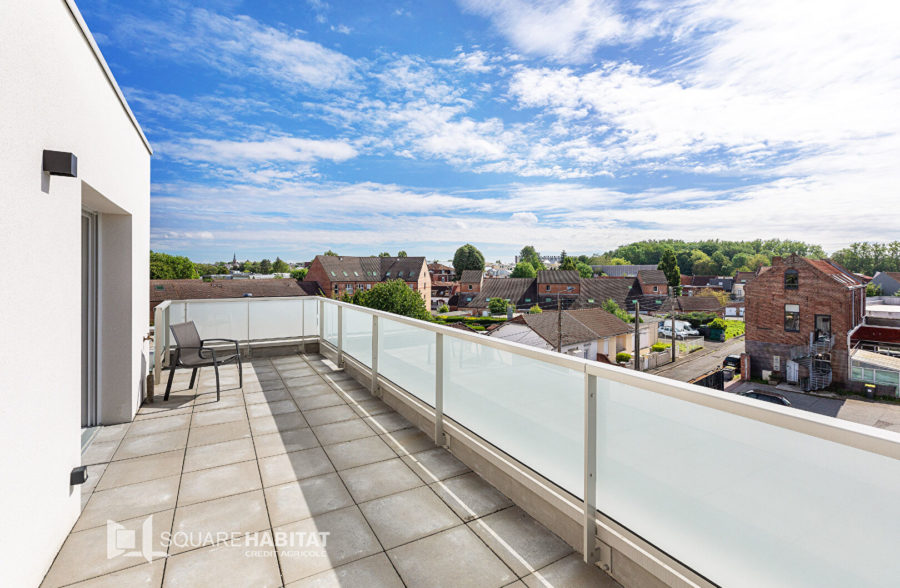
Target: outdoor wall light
(60, 163)
(78, 476)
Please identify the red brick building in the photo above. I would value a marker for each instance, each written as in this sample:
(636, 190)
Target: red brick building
(441, 273)
(653, 282)
(339, 275)
(800, 314)
(558, 282)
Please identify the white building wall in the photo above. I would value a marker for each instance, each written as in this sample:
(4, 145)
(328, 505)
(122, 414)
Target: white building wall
(55, 94)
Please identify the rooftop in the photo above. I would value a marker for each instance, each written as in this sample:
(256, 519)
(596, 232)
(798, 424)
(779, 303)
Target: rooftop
(301, 447)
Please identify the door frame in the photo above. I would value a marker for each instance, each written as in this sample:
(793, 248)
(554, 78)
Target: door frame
(90, 405)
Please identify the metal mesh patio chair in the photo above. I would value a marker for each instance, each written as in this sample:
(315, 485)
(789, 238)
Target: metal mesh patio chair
(192, 353)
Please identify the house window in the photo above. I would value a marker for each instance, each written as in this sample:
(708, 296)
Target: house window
(776, 363)
(470, 286)
(549, 299)
(791, 279)
(656, 288)
(792, 318)
(570, 288)
(547, 287)
(528, 300)
(368, 286)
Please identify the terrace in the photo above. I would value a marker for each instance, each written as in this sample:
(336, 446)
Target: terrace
(432, 456)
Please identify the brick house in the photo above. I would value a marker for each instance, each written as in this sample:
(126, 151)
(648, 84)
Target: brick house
(443, 284)
(653, 282)
(339, 275)
(800, 314)
(470, 282)
(441, 273)
(558, 282)
(198, 289)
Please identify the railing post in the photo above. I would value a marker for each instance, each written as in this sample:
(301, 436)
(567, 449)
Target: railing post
(321, 320)
(157, 344)
(439, 437)
(590, 468)
(248, 328)
(303, 319)
(340, 337)
(374, 386)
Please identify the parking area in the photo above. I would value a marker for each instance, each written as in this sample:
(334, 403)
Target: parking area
(696, 364)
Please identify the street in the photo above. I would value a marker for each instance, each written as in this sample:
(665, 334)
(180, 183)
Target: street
(688, 367)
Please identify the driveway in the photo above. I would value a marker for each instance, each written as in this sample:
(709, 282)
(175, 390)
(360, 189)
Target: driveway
(700, 362)
(875, 414)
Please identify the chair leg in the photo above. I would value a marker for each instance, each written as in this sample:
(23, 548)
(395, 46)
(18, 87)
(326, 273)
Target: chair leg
(216, 367)
(240, 373)
(193, 378)
(169, 384)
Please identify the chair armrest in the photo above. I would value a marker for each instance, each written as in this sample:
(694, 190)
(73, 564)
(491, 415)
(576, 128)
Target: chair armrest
(237, 348)
(199, 349)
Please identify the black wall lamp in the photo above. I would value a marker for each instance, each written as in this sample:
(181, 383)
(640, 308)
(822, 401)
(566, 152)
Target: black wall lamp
(60, 163)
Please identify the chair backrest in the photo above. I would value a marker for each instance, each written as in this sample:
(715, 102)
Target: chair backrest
(186, 336)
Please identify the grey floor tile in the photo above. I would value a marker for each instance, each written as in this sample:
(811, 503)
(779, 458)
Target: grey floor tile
(218, 454)
(435, 464)
(379, 479)
(319, 401)
(359, 452)
(454, 559)
(519, 540)
(99, 452)
(470, 496)
(218, 482)
(288, 467)
(305, 498)
(570, 571)
(147, 575)
(274, 424)
(332, 414)
(387, 422)
(374, 571)
(155, 411)
(111, 433)
(264, 396)
(371, 407)
(407, 516)
(127, 502)
(408, 441)
(141, 469)
(149, 444)
(200, 524)
(218, 433)
(309, 388)
(160, 425)
(349, 538)
(215, 417)
(84, 554)
(342, 431)
(223, 565)
(285, 442)
(207, 402)
(271, 408)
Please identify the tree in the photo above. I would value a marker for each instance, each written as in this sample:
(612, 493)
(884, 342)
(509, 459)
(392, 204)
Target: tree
(535, 310)
(669, 266)
(523, 269)
(873, 289)
(299, 273)
(171, 267)
(384, 254)
(757, 261)
(393, 296)
(611, 307)
(617, 261)
(280, 266)
(702, 264)
(265, 266)
(401, 253)
(497, 305)
(720, 295)
(443, 308)
(721, 263)
(331, 253)
(467, 257)
(531, 255)
(584, 270)
(568, 263)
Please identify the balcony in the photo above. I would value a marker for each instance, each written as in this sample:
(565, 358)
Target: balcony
(434, 456)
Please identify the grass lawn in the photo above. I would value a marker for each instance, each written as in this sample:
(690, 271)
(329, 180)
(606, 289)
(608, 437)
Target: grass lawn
(734, 329)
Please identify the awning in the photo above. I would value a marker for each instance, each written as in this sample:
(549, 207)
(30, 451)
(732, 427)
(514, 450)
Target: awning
(878, 360)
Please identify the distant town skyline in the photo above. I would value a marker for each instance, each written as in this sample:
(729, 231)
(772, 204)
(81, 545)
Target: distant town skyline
(301, 126)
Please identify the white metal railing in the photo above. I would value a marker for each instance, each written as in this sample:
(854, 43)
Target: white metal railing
(743, 492)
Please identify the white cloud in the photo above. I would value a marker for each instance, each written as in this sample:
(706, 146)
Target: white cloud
(525, 218)
(286, 149)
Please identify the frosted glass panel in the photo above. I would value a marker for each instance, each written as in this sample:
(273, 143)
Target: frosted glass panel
(406, 356)
(530, 409)
(311, 317)
(176, 312)
(743, 502)
(226, 320)
(330, 320)
(275, 319)
(357, 339)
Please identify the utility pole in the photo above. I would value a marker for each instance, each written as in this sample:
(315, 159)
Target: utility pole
(673, 335)
(637, 335)
(559, 323)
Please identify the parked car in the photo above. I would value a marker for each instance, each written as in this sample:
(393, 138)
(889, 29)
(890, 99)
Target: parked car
(689, 331)
(666, 332)
(773, 397)
(733, 361)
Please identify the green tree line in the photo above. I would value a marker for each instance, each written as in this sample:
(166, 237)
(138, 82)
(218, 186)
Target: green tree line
(869, 258)
(178, 267)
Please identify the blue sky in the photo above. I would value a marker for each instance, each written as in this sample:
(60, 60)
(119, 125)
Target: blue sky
(288, 128)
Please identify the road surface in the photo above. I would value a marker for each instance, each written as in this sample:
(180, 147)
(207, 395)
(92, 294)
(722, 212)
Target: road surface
(700, 362)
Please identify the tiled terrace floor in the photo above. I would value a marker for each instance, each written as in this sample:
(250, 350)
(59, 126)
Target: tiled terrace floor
(301, 447)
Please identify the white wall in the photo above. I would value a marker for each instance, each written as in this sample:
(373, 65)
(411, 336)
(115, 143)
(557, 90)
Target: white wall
(55, 94)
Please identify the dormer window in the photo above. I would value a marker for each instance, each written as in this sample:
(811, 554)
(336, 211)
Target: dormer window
(791, 279)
